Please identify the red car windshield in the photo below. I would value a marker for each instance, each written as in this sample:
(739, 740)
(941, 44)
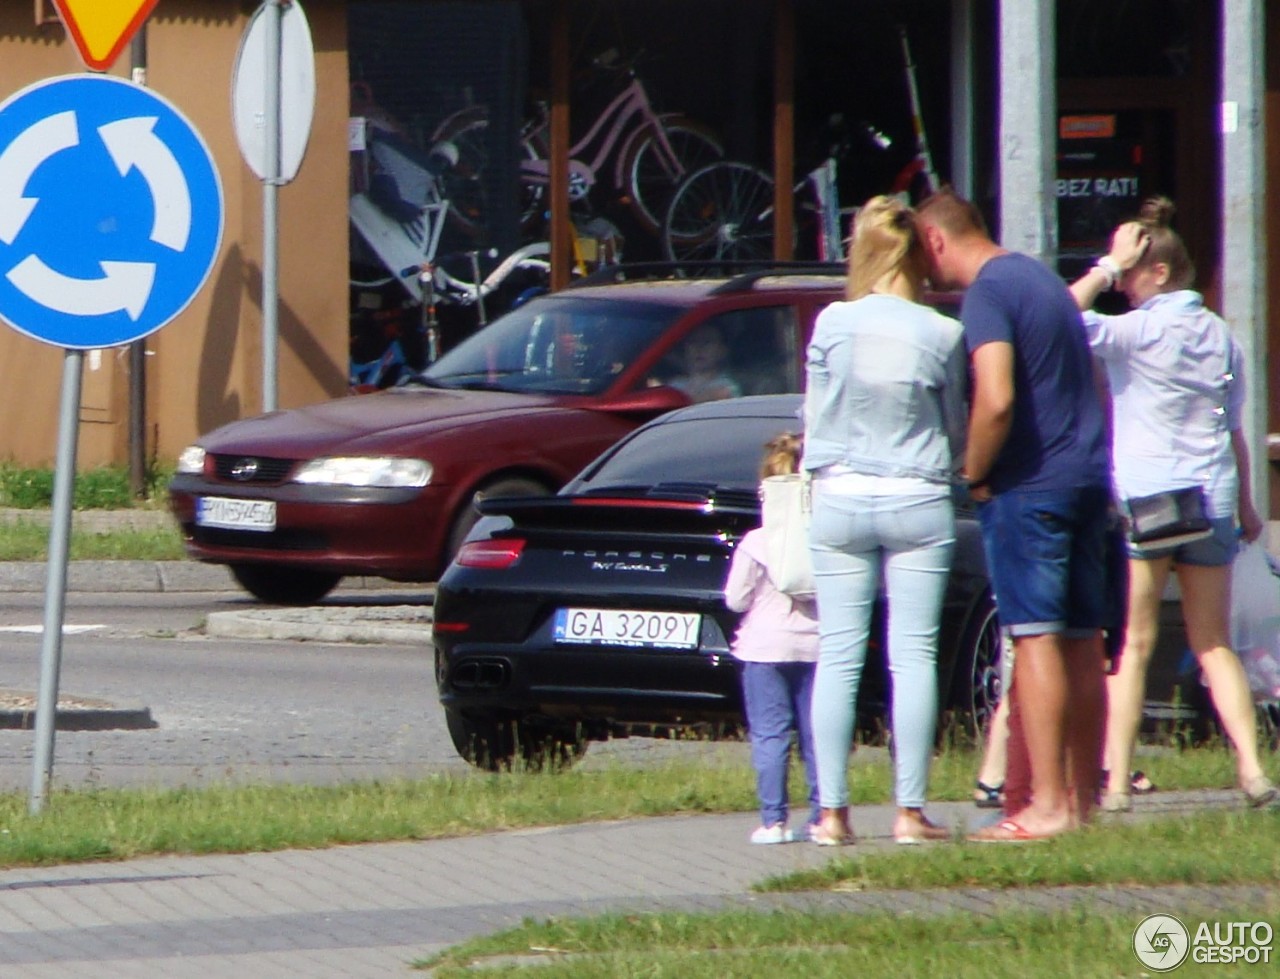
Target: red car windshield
(555, 345)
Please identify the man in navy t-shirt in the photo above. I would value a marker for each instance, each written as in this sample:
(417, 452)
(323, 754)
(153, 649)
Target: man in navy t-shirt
(1037, 465)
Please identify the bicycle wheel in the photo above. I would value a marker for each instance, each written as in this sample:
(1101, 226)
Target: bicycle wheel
(649, 179)
(722, 211)
(464, 188)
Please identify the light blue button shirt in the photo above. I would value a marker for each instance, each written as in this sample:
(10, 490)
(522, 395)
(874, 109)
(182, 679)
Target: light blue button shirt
(1177, 389)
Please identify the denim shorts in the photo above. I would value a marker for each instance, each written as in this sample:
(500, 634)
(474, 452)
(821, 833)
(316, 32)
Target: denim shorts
(1046, 556)
(1214, 551)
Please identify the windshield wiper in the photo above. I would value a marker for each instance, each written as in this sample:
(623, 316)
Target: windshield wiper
(418, 379)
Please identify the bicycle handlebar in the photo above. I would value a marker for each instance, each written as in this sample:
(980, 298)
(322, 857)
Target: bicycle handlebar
(409, 270)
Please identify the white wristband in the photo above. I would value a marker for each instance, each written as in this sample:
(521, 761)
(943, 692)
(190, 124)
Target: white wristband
(1108, 267)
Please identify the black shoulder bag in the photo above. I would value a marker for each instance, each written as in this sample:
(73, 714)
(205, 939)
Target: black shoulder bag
(1177, 516)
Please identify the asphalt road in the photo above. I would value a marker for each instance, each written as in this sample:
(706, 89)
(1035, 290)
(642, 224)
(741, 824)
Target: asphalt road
(226, 710)
(232, 710)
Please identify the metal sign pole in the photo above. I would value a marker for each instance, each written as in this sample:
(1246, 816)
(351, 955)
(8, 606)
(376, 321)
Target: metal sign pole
(273, 95)
(138, 349)
(270, 201)
(64, 476)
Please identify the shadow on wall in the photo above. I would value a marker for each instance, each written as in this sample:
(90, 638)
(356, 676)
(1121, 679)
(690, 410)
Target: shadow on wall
(315, 361)
(217, 400)
(216, 404)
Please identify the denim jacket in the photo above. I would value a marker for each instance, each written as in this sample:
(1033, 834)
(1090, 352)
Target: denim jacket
(885, 390)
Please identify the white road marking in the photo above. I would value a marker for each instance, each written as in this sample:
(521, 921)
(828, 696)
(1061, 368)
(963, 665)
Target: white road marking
(67, 630)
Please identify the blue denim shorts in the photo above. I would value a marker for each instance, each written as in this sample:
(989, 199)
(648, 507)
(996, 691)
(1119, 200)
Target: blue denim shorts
(1214, 551)
(1046, 556)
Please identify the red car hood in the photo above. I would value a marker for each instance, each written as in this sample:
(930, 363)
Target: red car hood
(388, 421)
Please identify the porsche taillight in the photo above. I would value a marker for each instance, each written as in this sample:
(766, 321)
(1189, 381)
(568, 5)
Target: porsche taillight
(497, 554)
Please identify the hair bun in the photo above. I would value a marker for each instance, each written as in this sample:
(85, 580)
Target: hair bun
(1157, 211)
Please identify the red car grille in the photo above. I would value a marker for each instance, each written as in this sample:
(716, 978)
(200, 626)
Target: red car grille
(252, 469)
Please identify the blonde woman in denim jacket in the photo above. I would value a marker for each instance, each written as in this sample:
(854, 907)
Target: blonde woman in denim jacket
(884, 429)
(1178, 389)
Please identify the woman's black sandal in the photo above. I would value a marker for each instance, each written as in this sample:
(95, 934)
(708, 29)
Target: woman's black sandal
(1139, 784)
(988, 796)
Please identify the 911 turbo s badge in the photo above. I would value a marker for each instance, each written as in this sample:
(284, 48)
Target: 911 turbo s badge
(658, 568)
(651, 562)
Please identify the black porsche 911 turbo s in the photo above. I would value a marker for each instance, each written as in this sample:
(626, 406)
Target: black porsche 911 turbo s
(599, 612)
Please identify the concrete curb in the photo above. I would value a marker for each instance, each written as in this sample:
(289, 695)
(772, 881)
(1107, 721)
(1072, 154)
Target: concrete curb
(401, 624)
(147, 576)
(104, 718)
(119, 576)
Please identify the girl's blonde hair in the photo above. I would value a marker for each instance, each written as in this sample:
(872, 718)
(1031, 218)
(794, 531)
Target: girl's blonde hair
(886, 240)
(781, 455)
(1167, 246)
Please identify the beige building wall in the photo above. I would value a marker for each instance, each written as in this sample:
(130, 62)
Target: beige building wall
(205, 367)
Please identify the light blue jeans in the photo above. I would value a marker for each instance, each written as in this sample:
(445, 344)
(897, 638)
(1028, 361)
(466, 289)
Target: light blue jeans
(854, 540)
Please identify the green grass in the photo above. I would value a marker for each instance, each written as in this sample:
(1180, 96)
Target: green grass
(110, 824)
(1214, 847)
(100, 488)
(824, 945)
(29, 541)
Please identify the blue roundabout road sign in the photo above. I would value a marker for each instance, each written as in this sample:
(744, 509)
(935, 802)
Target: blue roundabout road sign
(110, 211)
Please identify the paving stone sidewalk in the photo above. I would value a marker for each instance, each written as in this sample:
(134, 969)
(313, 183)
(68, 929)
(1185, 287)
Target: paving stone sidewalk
(371, 910)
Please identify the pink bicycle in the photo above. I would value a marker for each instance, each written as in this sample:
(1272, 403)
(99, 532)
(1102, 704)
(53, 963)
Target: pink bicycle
(645, 154)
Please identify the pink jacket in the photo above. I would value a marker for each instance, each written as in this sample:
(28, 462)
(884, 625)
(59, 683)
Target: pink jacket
(776, 628)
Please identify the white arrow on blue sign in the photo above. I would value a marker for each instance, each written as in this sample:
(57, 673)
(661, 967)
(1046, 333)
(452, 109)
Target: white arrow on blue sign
(110, 211)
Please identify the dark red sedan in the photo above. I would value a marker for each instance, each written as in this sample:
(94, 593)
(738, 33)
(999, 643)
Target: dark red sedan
(384, 484)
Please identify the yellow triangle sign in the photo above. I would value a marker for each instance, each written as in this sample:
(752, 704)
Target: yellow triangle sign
(101, 28)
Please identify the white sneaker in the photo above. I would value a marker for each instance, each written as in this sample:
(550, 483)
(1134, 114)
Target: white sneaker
(777, 833)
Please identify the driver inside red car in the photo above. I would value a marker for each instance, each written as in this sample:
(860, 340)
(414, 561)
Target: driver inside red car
(705, 354)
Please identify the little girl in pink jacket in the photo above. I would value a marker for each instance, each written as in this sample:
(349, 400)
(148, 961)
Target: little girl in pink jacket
(777, 644)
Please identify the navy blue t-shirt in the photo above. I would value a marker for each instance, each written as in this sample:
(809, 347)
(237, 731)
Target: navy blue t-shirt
(1058, 436)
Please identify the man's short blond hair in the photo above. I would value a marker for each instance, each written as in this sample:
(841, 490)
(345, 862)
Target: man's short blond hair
(952, 213)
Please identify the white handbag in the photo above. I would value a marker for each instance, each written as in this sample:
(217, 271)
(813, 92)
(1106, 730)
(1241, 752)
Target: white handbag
(785, 508)
(1255, 620)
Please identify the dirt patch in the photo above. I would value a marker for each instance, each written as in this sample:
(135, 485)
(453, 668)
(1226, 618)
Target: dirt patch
(24, 700)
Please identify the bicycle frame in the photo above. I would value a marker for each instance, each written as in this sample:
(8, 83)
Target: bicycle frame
(831, 235)
(631, 101)
(397, 244)
(821, 181)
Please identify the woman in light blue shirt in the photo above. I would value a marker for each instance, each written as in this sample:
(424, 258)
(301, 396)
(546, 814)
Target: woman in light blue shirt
(1177, 387)
(884, 428)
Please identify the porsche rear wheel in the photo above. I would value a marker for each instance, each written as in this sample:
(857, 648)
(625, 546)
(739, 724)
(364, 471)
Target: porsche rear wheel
(494, 744)
(976, 682)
